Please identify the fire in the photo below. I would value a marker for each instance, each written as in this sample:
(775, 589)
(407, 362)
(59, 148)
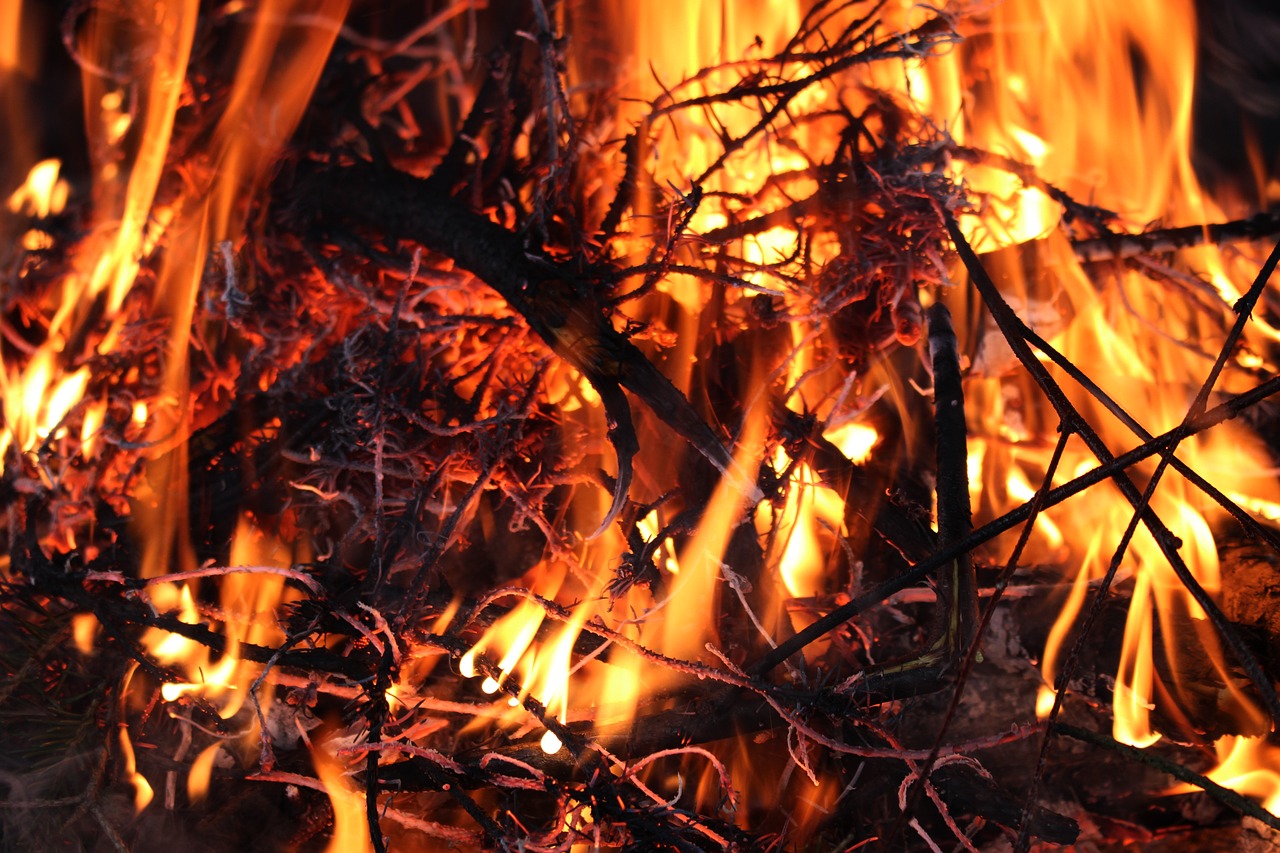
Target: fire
(143, 792)
(1247, 765)
(126, 204)
(43, 193)
(1122, 139)
(201, 772)
(350, 829)
(10, 35)
(249, 604)
(598, 628)
(1145, 163)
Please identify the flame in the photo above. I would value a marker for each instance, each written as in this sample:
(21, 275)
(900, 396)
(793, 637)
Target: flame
(522, 642)
(36, 400)
(272, 86)
(514, 632)
(1135, 159)
(249, 601)
(201, 772)
(1247, 765)
(812, 510)
(1118, 135)
(84, 628)
(126, 204)
(43, 193)
(10, 33)
(686, 629)
(142, 791)
(37, 396)
(855, 440)
(130, 128)
(350, 829)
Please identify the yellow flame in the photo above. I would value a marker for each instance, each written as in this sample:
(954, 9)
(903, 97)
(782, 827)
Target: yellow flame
(855, 440)
(163, 645)
(811, 509)
(249, 601)
(142, 791)
(166, 44)
(1141, 61)
(201, 772)
(1247, 765)
(35, 399)
(95, 414)
(350, 829)
(43, 193)
(550, 743)
(686, 628)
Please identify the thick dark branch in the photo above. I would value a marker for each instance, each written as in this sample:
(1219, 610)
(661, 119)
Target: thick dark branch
(957, 611)
(1120, 246)
(563, 310)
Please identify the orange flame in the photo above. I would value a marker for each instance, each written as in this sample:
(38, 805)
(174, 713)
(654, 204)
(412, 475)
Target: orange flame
(143, 792)
(272, 86)
(199, 776)
(350, 829)
(1141, 165)
(1130, 152)
(1248, 765)
(10, 32)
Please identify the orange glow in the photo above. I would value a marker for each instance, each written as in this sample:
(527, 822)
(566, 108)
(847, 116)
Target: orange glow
(84, 627)
(10, 33)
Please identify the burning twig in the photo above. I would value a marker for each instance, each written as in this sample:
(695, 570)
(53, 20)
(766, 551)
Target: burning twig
(1141, 502)
(1261, 226)
(1164, 537)
(1226, 796)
